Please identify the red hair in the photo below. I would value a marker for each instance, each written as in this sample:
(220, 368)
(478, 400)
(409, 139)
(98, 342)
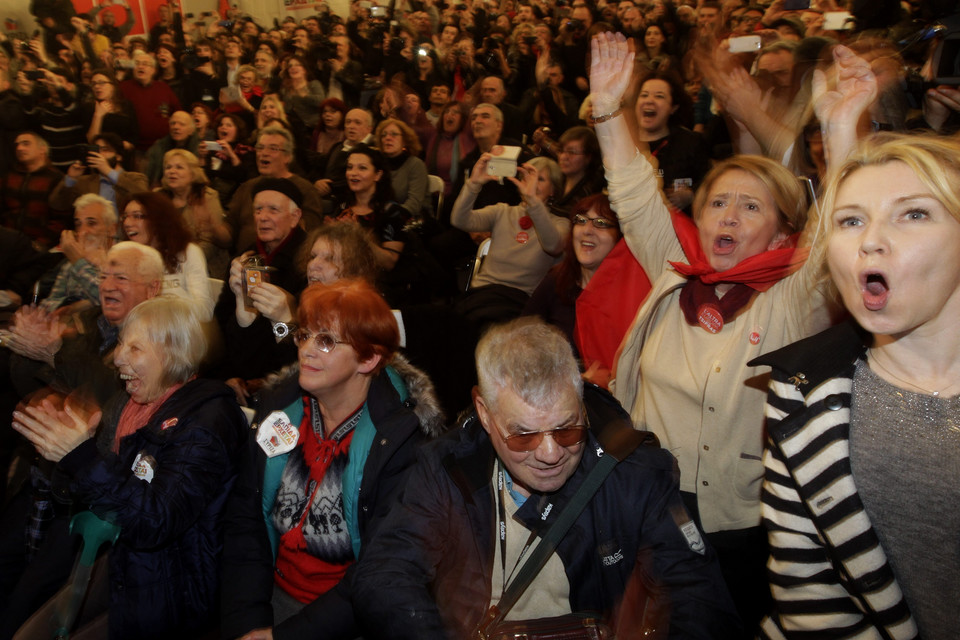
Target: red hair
(568, 271)
(358, 312)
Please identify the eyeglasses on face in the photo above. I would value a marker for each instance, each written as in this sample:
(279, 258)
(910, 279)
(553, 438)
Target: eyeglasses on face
(599, 223)
(524, 442)
(275, 148)
(322, 341)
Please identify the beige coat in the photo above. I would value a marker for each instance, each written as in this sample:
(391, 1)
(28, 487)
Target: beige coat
(692, 388)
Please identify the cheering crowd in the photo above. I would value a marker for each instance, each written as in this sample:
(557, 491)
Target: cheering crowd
(343, 322)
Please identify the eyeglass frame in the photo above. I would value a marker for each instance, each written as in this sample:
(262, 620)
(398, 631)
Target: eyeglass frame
(604, 223)
(583, 428)
(301, 336)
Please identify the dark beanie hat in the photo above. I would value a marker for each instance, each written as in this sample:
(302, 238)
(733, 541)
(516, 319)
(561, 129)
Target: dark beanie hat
(283, 185)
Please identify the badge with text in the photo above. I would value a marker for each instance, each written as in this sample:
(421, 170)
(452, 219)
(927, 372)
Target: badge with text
(144, 466)
(523, 237)
(692, 535)
(710, 318)
(277, 435)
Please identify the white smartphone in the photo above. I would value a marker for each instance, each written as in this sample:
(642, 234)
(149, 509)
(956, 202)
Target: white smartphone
(744, 44)
(838, 21)
(503, 164)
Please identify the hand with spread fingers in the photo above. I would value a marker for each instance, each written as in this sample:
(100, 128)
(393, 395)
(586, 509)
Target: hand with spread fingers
(611, 69)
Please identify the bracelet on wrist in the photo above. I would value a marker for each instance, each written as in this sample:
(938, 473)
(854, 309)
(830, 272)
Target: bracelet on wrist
(606, 116)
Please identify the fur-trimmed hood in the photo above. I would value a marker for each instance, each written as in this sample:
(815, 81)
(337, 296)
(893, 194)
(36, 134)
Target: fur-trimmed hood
(282, 387)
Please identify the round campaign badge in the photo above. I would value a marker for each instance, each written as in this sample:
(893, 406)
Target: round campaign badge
(710, 318)
(523, 237)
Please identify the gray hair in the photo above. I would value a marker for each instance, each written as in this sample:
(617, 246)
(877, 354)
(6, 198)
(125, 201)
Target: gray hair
(278, 131)
(40, 141)
(144, 55)
(541, 163)
(530, 358)
(109, 210)
(497, 113)
(149, 266)
(172, 325)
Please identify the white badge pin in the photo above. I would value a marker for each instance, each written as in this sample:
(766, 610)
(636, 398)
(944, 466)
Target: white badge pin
(277, 435)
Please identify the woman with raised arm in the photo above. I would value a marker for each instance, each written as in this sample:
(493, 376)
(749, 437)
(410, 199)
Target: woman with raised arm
(728, 285)
(862, 473)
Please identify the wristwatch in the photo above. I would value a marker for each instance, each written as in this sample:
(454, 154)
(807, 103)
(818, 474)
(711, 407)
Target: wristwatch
(281, 330)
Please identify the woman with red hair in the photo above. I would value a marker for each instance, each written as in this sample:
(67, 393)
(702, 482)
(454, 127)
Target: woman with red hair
(337, 436)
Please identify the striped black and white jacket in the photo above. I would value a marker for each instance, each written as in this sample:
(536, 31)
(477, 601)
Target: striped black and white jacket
(829, 576)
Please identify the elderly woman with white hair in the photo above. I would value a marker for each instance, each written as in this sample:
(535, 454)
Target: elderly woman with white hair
(158, 461)
(525, 239)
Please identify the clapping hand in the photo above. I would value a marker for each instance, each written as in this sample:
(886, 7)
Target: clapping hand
(35, 334)
(56, 431)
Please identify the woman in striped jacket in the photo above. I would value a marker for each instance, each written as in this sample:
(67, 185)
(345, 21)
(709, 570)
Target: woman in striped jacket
(863, 457)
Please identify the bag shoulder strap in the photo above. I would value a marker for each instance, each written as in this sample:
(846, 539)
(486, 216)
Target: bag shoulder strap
(627, 441)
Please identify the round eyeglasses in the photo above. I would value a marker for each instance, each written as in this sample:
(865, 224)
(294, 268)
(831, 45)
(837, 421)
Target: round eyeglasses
(322, 341)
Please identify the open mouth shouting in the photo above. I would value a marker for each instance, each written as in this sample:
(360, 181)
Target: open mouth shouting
(874, 290)
(724, 244)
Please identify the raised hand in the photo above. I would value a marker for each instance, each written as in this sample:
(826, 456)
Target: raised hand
(479, 174)
(611, 69)
(841, 98)
(526, 182)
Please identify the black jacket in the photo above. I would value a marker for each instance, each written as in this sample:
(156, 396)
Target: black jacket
(164, 569)
(401, 425)
(253, 352)
(427, 572)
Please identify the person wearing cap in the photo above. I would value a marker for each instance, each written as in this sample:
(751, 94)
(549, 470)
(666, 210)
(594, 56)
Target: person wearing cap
(101, 173)
(274, 156)
(258, 335)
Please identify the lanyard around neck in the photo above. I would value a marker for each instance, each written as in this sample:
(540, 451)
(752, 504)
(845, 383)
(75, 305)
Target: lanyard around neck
(502, 497)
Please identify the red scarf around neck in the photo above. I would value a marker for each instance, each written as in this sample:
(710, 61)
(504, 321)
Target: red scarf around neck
(756, 273)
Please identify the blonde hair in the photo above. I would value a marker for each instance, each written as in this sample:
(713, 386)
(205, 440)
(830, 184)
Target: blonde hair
(935, 161)
(787, 191)
(196, 171)
(541, 163)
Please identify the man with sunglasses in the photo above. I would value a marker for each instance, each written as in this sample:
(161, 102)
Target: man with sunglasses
(482, 497)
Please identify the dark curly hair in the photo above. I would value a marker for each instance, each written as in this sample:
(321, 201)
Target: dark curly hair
(168, 230)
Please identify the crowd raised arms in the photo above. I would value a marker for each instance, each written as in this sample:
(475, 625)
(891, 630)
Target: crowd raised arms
(733, 231)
